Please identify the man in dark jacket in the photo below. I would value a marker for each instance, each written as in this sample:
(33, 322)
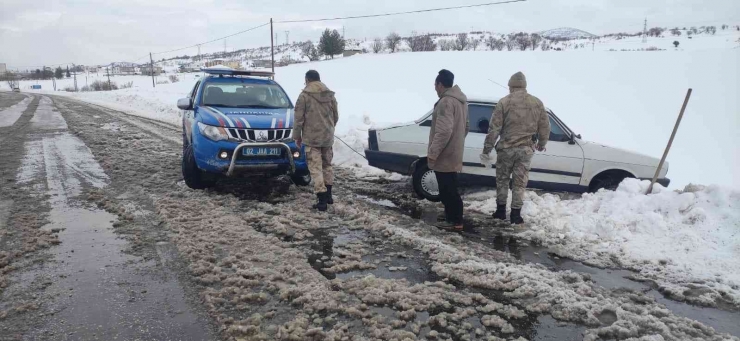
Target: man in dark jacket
(446, 145)
(316, 115)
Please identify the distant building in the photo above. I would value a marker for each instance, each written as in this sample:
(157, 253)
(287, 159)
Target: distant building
(3, 69)
(147, 70)
(262, 63)
(234, 64)
(351, 52)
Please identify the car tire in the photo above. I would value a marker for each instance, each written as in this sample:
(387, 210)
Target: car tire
(608, 182)
(301, 179)
(193, 176)
(425, 183)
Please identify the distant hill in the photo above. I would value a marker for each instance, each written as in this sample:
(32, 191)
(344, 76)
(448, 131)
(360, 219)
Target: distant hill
(566, 33)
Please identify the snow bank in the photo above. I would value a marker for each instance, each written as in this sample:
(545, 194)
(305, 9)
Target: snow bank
(671, 236)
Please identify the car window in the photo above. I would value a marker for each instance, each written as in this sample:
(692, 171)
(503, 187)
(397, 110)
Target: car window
(195, 90)
(556, 132)
(245, 96)
(479, 117)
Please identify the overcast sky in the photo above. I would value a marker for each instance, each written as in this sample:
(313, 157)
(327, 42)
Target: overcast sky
(46, 32)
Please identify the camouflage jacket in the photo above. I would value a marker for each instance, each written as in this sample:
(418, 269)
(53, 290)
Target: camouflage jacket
(517, 118)
(316, 115)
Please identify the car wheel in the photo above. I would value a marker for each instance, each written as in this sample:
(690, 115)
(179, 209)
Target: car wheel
(301, 178)
(607, 181)
(425, 183)
(193, 176)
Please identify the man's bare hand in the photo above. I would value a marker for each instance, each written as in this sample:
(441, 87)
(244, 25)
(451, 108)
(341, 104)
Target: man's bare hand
(540, 148)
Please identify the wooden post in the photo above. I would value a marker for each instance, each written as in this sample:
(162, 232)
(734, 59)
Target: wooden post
(670, 142)
(272, 47)
(108, 73)
(151, 68)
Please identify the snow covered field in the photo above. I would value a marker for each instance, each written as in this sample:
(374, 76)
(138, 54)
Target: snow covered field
(623, 99)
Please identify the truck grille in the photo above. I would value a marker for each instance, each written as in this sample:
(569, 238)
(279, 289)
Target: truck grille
(260, 135)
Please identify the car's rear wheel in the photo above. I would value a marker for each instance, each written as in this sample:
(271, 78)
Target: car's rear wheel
(425, 183)
(193, 176)
(609, 180)
(301, 178)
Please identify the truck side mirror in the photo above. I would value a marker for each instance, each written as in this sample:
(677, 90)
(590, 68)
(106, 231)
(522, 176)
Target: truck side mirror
(185, 104)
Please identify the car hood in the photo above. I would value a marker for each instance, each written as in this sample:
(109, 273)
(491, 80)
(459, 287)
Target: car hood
(600, 152)
(256, 118)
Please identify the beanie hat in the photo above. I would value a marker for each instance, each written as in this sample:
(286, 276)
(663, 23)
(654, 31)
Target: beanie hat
(518, 81)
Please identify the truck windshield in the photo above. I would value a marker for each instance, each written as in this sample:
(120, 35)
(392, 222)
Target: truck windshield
(245, 96)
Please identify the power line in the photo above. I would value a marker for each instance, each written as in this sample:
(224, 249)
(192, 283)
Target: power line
(214, 40)
(399, 13)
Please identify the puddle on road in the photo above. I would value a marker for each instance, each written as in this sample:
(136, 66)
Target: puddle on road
(721, 320)
(103, 292)
(417, 270)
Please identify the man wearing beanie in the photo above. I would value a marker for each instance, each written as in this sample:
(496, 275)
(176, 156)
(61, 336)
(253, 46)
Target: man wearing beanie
(516, 119)
(446, 146)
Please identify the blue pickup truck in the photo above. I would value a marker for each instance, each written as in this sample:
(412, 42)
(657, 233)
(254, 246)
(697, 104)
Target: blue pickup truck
(238, 123)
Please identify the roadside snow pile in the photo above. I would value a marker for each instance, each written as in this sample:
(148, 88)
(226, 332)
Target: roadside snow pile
(690, 236)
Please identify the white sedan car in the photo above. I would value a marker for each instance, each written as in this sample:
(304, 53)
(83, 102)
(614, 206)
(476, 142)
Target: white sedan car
(570, 163)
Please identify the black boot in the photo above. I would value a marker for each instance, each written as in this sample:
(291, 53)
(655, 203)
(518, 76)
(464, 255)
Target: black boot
(321, 204)
(516, 216)
(500, 212)
(329, 199)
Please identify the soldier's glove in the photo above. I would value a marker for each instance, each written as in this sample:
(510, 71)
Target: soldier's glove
(486, 160)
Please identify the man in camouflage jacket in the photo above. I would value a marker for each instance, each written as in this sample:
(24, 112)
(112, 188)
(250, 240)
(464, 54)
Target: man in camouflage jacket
(517, 118)
(316, 115)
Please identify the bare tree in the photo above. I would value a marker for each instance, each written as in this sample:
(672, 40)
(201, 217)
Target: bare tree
(521, 40)
(310, 51)
(377, 45)
(711, 29)
(474, 42)
(494, 43)
(446, 45)
(10, 78)
(535, 39)
(392, 40)
(421, 43)
(461, 43)
(545, 45)
(675, 32)
(510, 43)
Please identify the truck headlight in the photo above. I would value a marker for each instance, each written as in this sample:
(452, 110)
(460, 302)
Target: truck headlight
(213, 133)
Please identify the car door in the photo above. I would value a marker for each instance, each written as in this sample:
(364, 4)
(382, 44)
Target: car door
(188, 116)
(479, 116)
(562, 162)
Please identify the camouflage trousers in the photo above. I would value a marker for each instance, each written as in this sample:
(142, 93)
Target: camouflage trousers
(319, 164)
(514, 161)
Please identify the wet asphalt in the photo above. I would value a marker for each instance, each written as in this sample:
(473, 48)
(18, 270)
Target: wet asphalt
(86, 259)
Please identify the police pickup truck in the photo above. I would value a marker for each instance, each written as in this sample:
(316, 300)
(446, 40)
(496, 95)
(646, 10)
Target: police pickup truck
(238, 123)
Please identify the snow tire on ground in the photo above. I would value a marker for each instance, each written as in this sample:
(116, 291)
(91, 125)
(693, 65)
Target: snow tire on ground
(193, 176)
(301, 178)
(425, 183)
(608, 181)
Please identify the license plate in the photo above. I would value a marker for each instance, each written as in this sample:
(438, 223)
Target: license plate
(261, 151)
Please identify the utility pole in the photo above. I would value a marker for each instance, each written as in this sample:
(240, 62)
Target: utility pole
(108, 73)
(287, 34)
(74, 73)
(198, 53)
(151, 68)
(272, 48)
(644, 32)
